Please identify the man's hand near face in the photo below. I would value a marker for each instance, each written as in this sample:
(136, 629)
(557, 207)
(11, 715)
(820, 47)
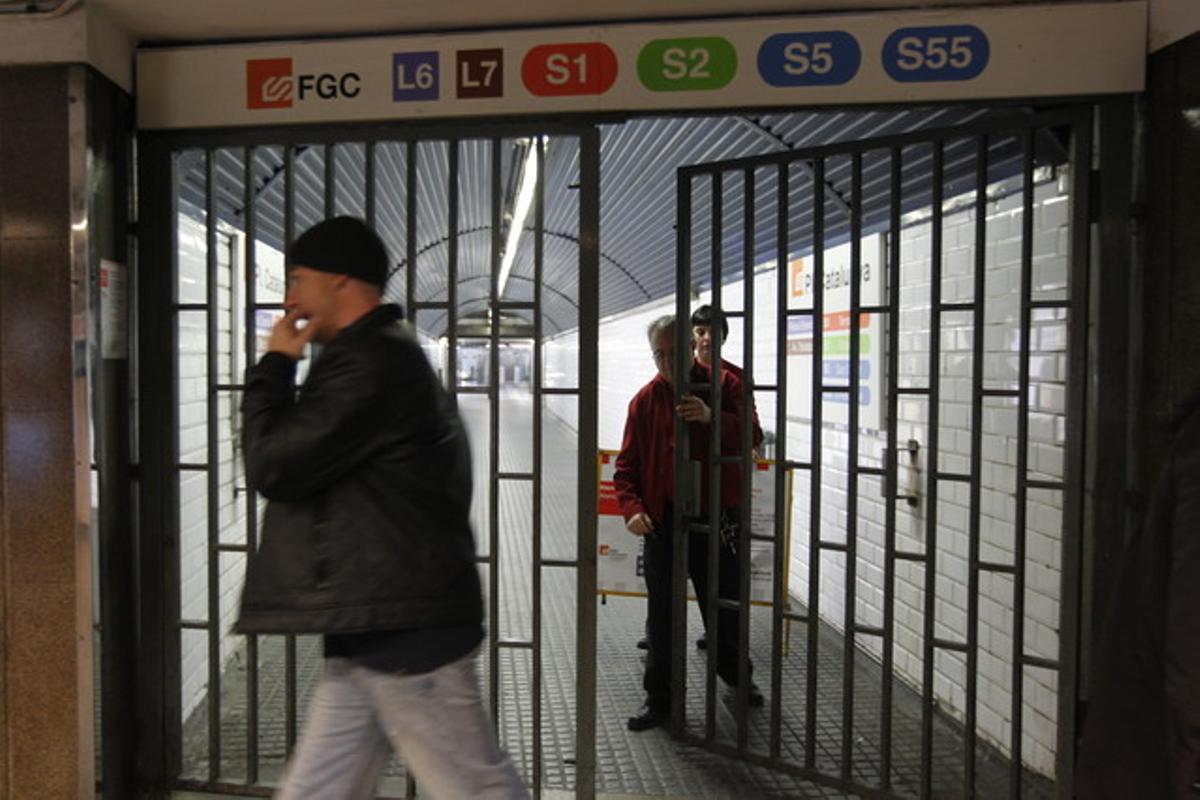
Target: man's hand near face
(288, 338)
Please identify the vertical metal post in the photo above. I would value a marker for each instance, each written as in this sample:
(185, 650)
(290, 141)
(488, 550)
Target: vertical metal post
(932, 418)
(781, 531)
(851, 568)
(684, 490)
(410, 216)
(746, 451)
(289, 231)
(330, 181)
(975, 511)
(1079, 313)
(814, 508)
(890, 478)
(1022, 509)
(539, 254)
(250, 216)
(493, 396)
(589, 329)
(452, 274)
(369, 194)
(712, 541)
(212, 459)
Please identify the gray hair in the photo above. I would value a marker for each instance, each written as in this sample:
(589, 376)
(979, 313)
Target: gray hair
(664, 323)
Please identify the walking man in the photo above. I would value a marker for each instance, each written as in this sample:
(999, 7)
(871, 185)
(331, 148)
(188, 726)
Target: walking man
(645, 483)
(366, 538)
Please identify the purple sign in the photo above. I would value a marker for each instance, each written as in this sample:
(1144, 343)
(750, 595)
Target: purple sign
(415, 76)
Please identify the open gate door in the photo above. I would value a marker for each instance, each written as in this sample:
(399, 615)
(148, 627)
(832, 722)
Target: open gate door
(910, 314)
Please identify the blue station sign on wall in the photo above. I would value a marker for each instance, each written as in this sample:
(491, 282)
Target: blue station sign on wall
(1018, 51)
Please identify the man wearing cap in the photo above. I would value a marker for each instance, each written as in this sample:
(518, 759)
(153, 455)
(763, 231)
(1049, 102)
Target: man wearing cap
(366, 538)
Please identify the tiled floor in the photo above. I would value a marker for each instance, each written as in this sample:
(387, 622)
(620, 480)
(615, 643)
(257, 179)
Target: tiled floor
(629, 765)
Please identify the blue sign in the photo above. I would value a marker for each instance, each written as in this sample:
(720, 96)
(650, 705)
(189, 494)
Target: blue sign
(839, 369)
(415, 76)
(941, 53)
(827, 58)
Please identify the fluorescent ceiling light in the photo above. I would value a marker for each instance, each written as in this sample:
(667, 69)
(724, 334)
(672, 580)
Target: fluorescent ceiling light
(520, 212)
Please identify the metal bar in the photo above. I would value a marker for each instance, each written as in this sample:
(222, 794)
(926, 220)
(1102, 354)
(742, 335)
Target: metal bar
(949, 644)
(410, 231)
(232, 548)
(539, 257)
(188, 467)
(1050, 304)
(817, 428)
(330, 185)
(229, 387)
(569, 563)
(369, 177)
(868, 630)
(999, 392)
(975, 508)
(932, 415)
(191, 306)
(890, 555)
(1051, 486)
(556, 390)
(780, 613)
(913, 390)
(212, 455)
(1070, 609)
(250, 343)
(515, 644)
(289, 649)
(746, 453)
(514, 476)
(589, 327)
(952, 307)
(1018, 631)
(851, 567)
(954, 477)
(683, 489)
(452, 271)
(1000, 569)
(712, 543)
(833, 547)
(193, 624)
(1041, 663)
(902, 555)
(497, 199)
(431, 305)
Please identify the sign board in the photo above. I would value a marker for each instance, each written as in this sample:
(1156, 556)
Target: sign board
(620, 554)
(114, 314)
(959, 53)
(836, 355)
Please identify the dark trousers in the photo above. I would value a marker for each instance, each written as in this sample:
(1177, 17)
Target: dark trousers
(658, 569)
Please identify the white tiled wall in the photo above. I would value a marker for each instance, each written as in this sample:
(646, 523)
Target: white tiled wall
(193, 440)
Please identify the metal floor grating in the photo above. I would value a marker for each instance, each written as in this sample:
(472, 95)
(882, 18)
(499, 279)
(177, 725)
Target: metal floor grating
(648, 763)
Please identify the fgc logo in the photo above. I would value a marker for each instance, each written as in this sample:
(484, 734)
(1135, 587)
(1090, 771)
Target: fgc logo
(270, 83)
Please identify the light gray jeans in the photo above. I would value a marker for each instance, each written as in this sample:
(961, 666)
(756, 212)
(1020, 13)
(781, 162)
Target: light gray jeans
(435, 722)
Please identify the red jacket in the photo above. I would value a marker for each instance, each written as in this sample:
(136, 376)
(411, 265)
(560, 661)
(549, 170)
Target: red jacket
(644, 477)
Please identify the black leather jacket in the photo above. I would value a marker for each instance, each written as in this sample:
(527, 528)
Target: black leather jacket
(368, 477)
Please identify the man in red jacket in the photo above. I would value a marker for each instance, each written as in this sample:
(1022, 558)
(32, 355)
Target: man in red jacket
(644, 481)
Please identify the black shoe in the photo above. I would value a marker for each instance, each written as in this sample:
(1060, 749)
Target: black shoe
(647, 717)
(643, 644)
(702, 642)
(754, 697)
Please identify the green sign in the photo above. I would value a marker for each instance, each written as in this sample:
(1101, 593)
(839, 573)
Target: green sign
(698, 64)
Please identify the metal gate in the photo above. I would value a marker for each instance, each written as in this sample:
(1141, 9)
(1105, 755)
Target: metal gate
(912, 318)
(469, 222)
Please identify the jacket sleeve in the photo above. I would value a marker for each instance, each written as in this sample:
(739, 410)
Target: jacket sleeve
(295, 447)
(1182, 645)
(627, 474)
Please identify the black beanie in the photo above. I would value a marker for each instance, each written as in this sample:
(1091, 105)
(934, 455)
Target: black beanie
(344, 245)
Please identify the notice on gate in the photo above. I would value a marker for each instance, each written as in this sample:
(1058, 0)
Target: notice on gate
(620, 555)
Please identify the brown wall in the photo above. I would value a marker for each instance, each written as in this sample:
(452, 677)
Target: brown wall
(42, 752)
(1171, 348)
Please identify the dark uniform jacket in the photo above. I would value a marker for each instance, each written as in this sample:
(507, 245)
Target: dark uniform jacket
(1142, 734)
(368, 477)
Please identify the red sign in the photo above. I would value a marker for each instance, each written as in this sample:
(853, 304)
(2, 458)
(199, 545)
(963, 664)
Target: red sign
(269, 83)
(578, 68)
(608, 499)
